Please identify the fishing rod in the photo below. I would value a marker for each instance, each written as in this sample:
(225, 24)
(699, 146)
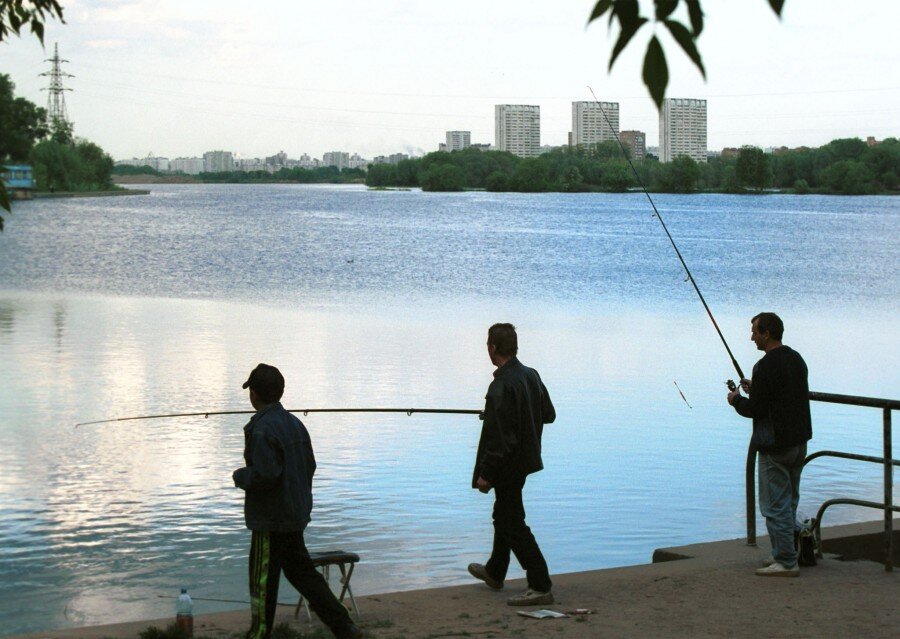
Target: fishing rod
(737, 367)
(306, 411)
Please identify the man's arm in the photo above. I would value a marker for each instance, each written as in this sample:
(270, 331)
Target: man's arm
(265, 467)
(499, 438)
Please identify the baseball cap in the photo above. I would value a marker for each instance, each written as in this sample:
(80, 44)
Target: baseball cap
(267, 382)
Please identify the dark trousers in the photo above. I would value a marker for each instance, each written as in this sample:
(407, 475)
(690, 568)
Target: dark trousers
(272, 552)
(511, 533)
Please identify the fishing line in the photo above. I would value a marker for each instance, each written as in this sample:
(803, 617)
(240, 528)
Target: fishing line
(656, 214)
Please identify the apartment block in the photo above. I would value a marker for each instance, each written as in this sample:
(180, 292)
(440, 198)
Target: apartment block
(340, 159)
(218, 161)
(682, 129)
(594, 122)
(458, 140)
(517, 129)
(188, 166)
(635, 142)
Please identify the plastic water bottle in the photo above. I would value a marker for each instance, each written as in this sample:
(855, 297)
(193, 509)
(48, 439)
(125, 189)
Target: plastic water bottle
(184, 613)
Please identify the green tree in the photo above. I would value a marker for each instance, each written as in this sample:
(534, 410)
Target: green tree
(848, 177)
(680, 175)
(442, 177)
(381, 175)
(752, 168)
(531, 176)
(616, 177)
(571, 179)
(497, 181)
(22, 123)
(656, 72)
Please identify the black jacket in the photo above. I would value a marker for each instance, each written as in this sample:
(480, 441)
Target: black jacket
(277, 479)
(516, 408)
(779, 401)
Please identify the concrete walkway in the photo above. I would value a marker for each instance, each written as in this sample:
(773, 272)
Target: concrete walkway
(713, 593)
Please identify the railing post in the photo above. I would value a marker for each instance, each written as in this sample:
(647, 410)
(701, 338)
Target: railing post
(751, 495)
(888, 493)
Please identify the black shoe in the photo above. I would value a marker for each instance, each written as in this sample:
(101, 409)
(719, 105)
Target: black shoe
(350, 631)
(480, 572)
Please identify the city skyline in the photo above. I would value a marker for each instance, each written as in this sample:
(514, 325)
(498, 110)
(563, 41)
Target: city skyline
(168, 79)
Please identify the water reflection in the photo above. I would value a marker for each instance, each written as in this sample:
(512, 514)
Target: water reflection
(100, 520)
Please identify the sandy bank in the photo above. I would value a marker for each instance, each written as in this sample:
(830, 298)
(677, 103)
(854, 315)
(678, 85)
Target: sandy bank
(712, 593)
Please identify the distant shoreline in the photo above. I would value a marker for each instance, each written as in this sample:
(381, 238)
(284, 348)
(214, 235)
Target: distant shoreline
(48, 195)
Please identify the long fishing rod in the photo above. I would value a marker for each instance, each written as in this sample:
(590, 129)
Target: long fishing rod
(306, 411)
(640, 182)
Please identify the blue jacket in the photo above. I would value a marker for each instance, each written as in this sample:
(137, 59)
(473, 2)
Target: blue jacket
(277, 479)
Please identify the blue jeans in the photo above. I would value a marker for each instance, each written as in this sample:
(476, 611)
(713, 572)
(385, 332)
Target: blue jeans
(779, 493)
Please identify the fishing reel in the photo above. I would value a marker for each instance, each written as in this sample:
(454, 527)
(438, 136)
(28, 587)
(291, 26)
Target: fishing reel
(731, 385)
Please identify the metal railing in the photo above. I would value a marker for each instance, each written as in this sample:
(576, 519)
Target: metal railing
(886, 405)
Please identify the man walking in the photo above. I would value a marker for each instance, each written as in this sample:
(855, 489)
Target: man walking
(516, 408)
(778, 403)
(277, 482)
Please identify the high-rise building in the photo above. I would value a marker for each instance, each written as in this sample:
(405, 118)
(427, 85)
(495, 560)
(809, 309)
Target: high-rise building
(218, 161)
(682, 129)
(458, 140)
(517, 129)
(635, 142)
(594, 122)
(340, 159)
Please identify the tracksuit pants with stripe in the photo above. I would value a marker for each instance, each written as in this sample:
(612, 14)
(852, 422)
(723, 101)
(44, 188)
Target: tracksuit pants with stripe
(270, 554)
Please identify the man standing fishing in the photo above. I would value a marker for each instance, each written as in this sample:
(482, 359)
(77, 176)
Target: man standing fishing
(277, 482)
(516, 408)
(778, 403)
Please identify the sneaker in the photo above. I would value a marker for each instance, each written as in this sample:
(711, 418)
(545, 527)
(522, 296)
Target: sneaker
(480, 572)
(778, 570)
(768, 561)
(531, 598)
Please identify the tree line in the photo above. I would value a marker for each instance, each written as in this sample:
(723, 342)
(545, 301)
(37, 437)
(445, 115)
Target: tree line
(845, 166)
(60, 161)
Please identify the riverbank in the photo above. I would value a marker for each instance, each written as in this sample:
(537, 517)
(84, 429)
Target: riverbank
(711, 592)
(46, 195)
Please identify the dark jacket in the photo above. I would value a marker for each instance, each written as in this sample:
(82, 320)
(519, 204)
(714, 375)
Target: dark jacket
(516, 408)
(779, 401)
(277, 479)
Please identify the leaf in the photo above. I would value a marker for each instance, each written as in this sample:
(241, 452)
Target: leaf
(664, 8)
(686, 40)
(656, 73)
(777, 6)
(37, 28)
(696, 14)
(626, 11)
(600, 8)
(624, 37)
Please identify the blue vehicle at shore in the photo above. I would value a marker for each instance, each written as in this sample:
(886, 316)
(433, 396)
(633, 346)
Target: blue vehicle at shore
(19, 180)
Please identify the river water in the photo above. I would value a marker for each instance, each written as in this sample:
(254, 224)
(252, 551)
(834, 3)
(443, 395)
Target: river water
(163, 303)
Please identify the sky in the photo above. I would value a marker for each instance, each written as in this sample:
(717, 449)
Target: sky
(179, 78)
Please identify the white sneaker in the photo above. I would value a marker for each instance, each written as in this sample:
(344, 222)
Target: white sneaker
(778, 570)
(765, 563)
(531, 598)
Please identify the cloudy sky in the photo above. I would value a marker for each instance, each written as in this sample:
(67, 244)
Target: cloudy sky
(177, 78)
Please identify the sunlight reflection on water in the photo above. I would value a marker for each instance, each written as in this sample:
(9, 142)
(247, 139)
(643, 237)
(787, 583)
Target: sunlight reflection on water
(99, 521)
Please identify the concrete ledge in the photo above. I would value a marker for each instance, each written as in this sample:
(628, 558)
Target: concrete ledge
(850, 542)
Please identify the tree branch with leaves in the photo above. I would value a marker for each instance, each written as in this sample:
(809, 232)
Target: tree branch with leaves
(627, 14)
